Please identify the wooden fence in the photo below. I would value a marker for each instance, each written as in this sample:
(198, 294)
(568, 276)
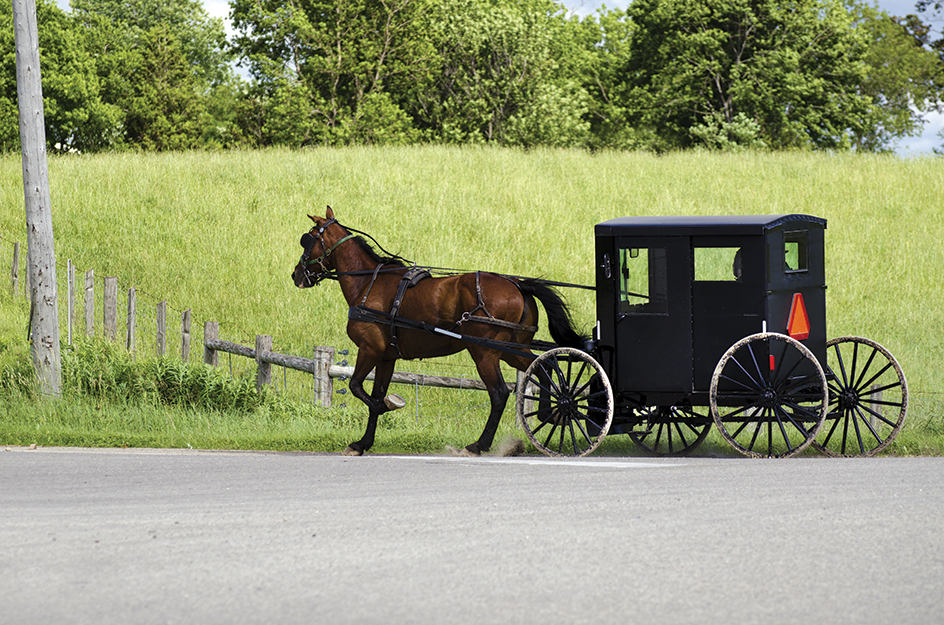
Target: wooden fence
(321, 365)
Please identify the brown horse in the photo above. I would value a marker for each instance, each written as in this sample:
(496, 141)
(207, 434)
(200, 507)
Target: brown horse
(477, 305)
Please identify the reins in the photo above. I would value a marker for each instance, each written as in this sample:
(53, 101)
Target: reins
(329, 274)
(334, 274)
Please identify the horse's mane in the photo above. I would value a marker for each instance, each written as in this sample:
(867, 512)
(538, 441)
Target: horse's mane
(375, 256)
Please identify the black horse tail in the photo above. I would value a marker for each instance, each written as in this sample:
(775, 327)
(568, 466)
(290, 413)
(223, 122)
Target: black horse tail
(559, 321)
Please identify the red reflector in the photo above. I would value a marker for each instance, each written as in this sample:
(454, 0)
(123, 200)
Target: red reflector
(772, 364)
(798, 327)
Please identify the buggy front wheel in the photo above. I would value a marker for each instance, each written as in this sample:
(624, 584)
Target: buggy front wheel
(565, 403)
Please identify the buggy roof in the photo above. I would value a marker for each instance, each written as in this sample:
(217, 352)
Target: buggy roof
(715, 225)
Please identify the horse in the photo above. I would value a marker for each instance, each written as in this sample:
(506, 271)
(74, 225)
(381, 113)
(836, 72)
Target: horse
(485, 307)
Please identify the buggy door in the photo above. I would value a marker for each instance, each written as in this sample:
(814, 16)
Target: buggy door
(727, 298)
(653, 314)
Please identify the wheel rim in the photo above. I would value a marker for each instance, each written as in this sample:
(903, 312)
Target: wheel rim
(769, 396)
(565, 403)
(868, 398)
(673, 430)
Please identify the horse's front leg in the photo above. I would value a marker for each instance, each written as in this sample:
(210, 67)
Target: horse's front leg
(375, 401)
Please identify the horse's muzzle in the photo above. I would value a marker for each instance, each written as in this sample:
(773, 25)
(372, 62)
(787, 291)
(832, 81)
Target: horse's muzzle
(302, 277)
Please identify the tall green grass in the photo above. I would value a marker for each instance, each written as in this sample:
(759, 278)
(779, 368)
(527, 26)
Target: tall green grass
(218, 232)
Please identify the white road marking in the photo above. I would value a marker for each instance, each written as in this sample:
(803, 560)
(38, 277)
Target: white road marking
(560, 462)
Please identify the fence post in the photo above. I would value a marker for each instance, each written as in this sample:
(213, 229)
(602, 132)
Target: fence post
(162, 328)
(263, 369)
(110, 318)
(90, 302)
(324, 384)
(211, 330)
(185, 336)
(26, 277)
(132, 317)
(15, 269)
(71, 313)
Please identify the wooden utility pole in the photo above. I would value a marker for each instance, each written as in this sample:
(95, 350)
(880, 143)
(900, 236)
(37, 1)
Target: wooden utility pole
(41, 253)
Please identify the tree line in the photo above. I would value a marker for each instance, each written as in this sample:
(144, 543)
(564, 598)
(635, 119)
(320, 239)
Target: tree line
(659, 75)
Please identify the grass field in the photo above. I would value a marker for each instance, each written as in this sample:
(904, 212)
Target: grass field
(218, 232)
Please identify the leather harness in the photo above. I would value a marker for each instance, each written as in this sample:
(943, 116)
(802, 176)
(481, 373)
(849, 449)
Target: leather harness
(411, 278)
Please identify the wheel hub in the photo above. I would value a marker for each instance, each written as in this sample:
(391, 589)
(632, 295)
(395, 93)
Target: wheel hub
(769, 399)
(848, 400)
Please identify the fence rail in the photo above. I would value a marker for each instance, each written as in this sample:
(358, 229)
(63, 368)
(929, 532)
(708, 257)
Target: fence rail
(321, 366)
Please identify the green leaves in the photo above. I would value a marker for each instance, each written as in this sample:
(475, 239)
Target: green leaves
(661, 75)
(794, 69)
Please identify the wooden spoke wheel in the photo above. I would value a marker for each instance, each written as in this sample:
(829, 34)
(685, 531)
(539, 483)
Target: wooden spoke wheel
(565, 403)
(868, 398)
(673, 430)
(769, 396)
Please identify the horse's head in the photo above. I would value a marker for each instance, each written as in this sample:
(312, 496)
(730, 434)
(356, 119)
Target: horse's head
(317, 244)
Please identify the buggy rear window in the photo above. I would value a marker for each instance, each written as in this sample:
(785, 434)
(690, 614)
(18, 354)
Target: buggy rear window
(795, 251)
(643, 283)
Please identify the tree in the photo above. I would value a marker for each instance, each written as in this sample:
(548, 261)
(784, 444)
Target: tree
(903, 81)
(165, 65)
(324, 69)
(162, 112)
(502, 76)
(202, 39)
(793, 68)
(604, 45)
(923, 34)
(77, 118)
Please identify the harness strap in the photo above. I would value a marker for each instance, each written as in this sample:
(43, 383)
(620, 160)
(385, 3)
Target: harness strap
(327, 252)
(371, 285)
(408, 281)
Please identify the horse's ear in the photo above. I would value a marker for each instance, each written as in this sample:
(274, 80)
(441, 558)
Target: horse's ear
(329, 214)
(313, 218)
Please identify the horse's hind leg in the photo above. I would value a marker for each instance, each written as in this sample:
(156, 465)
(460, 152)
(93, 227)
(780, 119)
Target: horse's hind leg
(487, 364)
(375, 402)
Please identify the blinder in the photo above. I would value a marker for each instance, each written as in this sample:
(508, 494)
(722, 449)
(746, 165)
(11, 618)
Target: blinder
(308, 241)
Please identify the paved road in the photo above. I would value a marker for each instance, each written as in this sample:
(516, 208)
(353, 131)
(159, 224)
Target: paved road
(147, 536)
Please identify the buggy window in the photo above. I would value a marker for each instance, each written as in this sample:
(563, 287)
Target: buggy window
(794, 254)
(718, 264)
(643, 284)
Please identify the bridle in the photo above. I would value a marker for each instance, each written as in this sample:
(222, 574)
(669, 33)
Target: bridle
(323, 272)
(312, 237)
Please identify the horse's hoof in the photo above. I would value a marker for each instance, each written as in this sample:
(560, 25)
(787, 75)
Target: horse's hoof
(350, 451)
(394, 401)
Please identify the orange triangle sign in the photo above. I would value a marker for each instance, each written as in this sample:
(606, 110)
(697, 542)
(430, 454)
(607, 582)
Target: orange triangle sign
(798, 327)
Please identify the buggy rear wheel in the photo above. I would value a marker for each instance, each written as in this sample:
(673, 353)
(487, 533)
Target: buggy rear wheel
(868, 398)
(673, 430)
(565, 403)
(769, 396)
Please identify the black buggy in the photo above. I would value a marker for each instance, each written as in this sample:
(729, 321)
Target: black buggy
(714, 320)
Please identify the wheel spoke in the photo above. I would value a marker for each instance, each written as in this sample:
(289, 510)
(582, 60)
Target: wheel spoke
(674, 431)
(865, 370)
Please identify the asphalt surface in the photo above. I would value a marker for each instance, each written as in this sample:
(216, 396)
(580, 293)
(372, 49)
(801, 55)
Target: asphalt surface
(154, 536)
